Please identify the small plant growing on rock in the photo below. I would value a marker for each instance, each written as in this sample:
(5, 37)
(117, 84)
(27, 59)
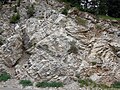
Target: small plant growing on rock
(90, 83)
(103, 86)
(49, 84)
(83, 82)
(18, 2)
(15, 8)
(65, 11)
(30, 11)
(80, 21)
(87, 82)
(4, 76)
(98, 27)
(0, 5)
(94, 63)
(1, 41)
(116, 85)
(73, 48)
(25, 83)
(1, 31)
(15, 18)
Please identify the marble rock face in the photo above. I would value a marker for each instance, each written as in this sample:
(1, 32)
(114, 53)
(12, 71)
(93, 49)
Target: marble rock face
(61, 48)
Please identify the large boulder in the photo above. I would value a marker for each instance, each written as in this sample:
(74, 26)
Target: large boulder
(11, 51)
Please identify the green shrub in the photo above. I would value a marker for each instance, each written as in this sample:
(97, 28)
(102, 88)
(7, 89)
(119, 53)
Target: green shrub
(0, 5)
(1, 41)
(73, 49)
(1, 31)
(72, 3)
(83, 82)
(65, 11)
(116, 85)
(15, 8)
(25, 83)
(15, 18)
(107, 17)
(103, 86)
(80, 21)
(30, 11)
(87, 82)
(4, 76)
(90, 83)
(49, 84)
(18, 2)
(94, 63)
(98, 27)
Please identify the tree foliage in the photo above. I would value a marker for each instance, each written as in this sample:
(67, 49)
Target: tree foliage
(101, 7)
(113, 8)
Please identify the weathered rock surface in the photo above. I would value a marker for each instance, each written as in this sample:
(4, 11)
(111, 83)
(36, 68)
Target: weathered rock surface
(62, 47)
(12, 50)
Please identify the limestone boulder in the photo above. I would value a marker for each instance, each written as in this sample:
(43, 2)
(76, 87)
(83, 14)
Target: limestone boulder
(11, 51)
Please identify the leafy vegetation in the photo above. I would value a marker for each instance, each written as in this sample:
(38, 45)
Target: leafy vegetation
(103, 86)
(97, 7)
(116, 85)
(85, 82)
(1, 31)
(15, 18)
(18, 2)
(3, 1)
(107, 17)
(4, 76)
(25, 83)
(49, 84)
(65, 11)
(0, 5)
(98, 27)
(30, 10)
(80, 21)
(15, 8)
(90, 83)
(73, 49)
(94, 63)
(1, 41)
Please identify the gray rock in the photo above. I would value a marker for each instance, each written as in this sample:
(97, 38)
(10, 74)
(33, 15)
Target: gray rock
(12, 50)
(59, 48)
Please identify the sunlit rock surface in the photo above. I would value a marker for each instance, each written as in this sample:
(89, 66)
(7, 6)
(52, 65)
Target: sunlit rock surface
(59, 47)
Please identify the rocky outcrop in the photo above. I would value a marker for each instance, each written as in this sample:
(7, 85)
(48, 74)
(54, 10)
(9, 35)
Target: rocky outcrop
(12, 50)
(63, 48)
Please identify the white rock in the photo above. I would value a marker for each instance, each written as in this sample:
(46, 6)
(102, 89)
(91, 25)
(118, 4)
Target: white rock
(95, 77)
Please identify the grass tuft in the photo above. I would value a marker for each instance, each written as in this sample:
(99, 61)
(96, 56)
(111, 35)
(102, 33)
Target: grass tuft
(80, 21)
(30, 10)
(90, 83)
(49, 84)
(65, 11)
(15, 18)
(25, 83)
(4, 77)
(116, 85)
(108, 17)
